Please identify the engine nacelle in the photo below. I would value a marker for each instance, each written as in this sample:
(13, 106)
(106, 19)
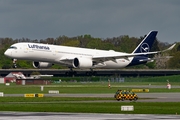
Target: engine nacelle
(82, 63)
(42, 64)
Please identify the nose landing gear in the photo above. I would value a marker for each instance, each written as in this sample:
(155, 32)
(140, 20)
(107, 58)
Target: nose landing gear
(14, 63)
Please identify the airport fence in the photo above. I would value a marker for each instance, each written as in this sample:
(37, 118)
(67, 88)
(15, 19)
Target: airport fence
(174, 78)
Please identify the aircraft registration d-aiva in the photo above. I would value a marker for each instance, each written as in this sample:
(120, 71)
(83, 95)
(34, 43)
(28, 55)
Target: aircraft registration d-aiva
(45, 55)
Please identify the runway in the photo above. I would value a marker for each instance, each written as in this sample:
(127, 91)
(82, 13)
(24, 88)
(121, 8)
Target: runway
(143, 97)
(81, 116)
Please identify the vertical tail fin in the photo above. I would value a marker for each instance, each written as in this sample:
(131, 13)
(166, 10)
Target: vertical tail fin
(146, 43)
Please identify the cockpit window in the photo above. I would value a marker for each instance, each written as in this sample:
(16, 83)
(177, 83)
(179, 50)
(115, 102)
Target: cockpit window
(12, 47)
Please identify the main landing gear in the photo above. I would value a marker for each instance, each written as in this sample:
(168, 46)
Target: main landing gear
(71, 72)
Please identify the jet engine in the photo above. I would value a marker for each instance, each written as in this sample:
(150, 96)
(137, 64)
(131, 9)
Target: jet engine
(82, 63)
(42, 64)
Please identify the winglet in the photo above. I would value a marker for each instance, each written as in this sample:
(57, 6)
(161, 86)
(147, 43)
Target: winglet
(170, 48)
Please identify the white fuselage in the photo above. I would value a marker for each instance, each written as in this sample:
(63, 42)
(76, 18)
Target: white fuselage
(59, 54)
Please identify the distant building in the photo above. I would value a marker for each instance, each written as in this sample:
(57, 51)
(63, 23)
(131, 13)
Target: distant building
(11, 77)
(20, 79)
(33, 82)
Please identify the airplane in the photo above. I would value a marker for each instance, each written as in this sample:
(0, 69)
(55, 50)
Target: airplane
(45, 55)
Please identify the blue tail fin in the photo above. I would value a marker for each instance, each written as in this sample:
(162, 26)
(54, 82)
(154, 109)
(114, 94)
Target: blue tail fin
(146, 43)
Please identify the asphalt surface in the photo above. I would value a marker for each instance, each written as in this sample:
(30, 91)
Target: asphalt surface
(81, 116)
(143, 97)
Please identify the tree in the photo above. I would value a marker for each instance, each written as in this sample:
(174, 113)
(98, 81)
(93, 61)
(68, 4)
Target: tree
(174, 62)
(161, 61)
(95, 44)
(74, 43)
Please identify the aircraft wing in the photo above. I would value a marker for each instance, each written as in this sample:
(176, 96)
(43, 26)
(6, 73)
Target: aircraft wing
(125, 56)
(68, 59)
(113, 58)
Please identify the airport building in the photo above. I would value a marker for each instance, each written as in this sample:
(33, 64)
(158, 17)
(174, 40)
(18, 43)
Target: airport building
(32, 82)
(20, 79)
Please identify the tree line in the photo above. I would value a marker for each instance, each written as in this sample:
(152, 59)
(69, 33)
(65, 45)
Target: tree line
(122, 43)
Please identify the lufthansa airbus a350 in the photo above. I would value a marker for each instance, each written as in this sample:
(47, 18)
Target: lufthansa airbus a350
(45, 55)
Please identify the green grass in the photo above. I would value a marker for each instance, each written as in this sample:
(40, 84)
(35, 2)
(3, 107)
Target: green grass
(85, 105)
(96, 87)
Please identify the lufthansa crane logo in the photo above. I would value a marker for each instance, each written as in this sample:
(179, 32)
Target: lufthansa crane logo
(145, 48)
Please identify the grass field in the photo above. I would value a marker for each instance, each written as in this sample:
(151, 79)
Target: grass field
(95, 87)
(88, 104)
(85, 105)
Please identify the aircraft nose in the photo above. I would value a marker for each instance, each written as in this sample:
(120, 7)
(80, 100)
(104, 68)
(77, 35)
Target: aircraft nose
(7, 53)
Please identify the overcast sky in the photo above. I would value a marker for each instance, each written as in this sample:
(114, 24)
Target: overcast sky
(41, 19)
